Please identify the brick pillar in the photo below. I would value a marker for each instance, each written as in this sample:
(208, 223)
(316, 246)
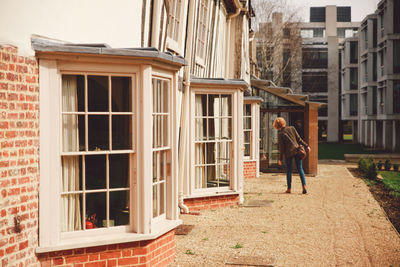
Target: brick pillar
(311, 137)
(19, 158)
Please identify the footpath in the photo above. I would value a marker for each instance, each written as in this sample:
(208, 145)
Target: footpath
(338, 223)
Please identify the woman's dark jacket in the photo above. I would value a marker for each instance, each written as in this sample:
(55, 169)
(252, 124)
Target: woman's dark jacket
(288, 149)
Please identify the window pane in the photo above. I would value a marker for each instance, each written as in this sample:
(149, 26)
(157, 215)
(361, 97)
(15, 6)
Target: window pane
(246, 123)
(71, 173)
(155, 166)
(211, 153)
(96, 210)
(247, 110)
(98, 132)
(121, 132)
(119, 170)
(213, 129)
(214, 106)
(73, 127)
(201, 129)
(226, 128)
(121, 98)
(200, 177)
(224, 152)
(71, 213)
(95, 171)
(97, 93)
(162, 167)
(119, 208)
(225, 174)
(247, 135)
(247, 149)
(162, 198)
(164, 128)
(164, 102)
(200, 153)
(212, 176)
(155, 204)
(73, 93)
(226, 105)
(201, 105)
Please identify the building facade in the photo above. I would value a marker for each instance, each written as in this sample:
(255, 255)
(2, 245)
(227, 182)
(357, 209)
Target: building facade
(380, 80)
(327, 28)
(102, 147)
(348, 79)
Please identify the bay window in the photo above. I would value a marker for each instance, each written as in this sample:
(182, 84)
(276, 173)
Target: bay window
(247, 130)
(108, 162)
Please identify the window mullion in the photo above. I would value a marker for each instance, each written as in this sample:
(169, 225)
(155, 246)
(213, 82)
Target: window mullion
(84, 191)
(107, 188)
(109, 118)
(86, 116)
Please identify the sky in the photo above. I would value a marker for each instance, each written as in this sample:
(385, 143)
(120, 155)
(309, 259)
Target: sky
(359, 8)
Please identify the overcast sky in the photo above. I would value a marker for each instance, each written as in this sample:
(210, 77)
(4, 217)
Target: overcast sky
(359, 8)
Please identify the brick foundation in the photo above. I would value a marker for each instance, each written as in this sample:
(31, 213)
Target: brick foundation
(19, 158)
(249, 169)
(214, 202)
(157, 252)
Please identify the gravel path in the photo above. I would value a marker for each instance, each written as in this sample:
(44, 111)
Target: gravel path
(337, 224)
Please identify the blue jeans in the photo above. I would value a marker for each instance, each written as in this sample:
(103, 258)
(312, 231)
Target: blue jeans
(299, 166)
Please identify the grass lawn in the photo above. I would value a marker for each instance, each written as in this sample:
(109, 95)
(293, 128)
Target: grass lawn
(391, 180)
(337, 150)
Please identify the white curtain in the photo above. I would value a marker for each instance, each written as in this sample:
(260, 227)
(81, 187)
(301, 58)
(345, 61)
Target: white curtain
(71, 214)
(199, 147)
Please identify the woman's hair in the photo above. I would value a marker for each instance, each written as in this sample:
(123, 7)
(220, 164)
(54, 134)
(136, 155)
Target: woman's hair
(279, 123)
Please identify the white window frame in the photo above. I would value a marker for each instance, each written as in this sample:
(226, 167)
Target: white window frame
(236, 160)
(202, 21)
(250, 130)
(87, 152)
(176, 45)
(141, 226)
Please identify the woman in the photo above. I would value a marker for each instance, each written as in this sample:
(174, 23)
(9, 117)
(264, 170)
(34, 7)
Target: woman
(288, 140)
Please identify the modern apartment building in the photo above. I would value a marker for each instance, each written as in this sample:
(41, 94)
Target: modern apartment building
(327, 28)
(379, 59)
(348, 84)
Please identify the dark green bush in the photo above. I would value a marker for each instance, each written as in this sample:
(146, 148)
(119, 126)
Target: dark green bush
(368, 167)
(379, 165)
(371, 171)
(387, 165)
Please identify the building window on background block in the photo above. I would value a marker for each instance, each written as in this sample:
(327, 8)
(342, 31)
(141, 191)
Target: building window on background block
(174, 19)
(396, 56)
(353, 104)
(247, 130)
(97, 146)
(213, 140)
(396, 96)
(202, 29)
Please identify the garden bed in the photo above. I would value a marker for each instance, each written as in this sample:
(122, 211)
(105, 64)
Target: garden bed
(386, 198)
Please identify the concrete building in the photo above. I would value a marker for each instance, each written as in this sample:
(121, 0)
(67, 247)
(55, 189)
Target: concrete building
(327, 28)
(380, 79)
(348, 84)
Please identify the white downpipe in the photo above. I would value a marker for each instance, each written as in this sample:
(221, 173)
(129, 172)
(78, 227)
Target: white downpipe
(185, 138)
(155, 29)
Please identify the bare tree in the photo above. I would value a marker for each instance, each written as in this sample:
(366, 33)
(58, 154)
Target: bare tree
(277, 26)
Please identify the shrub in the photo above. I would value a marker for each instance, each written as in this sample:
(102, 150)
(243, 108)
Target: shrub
(368, 167)
(396, 167)
(371, 171)
(379, 165)
(387, 165)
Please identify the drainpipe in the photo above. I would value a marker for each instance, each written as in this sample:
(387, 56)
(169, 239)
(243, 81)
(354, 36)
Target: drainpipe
(185, 146)
(156, 24)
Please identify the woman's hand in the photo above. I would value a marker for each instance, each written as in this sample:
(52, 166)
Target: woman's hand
(279, 163)
(308, 149)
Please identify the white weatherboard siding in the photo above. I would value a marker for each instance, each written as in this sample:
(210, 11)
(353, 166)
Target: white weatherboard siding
(73, 21)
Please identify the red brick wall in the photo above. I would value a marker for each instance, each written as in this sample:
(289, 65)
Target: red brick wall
(157, 252)
(204, 203)
(19, 157)
(249, 169)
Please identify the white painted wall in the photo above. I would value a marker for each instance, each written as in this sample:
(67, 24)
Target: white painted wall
(117, 23)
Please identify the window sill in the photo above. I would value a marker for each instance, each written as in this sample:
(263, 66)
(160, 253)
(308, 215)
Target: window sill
(110, 239)
(249, 160)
